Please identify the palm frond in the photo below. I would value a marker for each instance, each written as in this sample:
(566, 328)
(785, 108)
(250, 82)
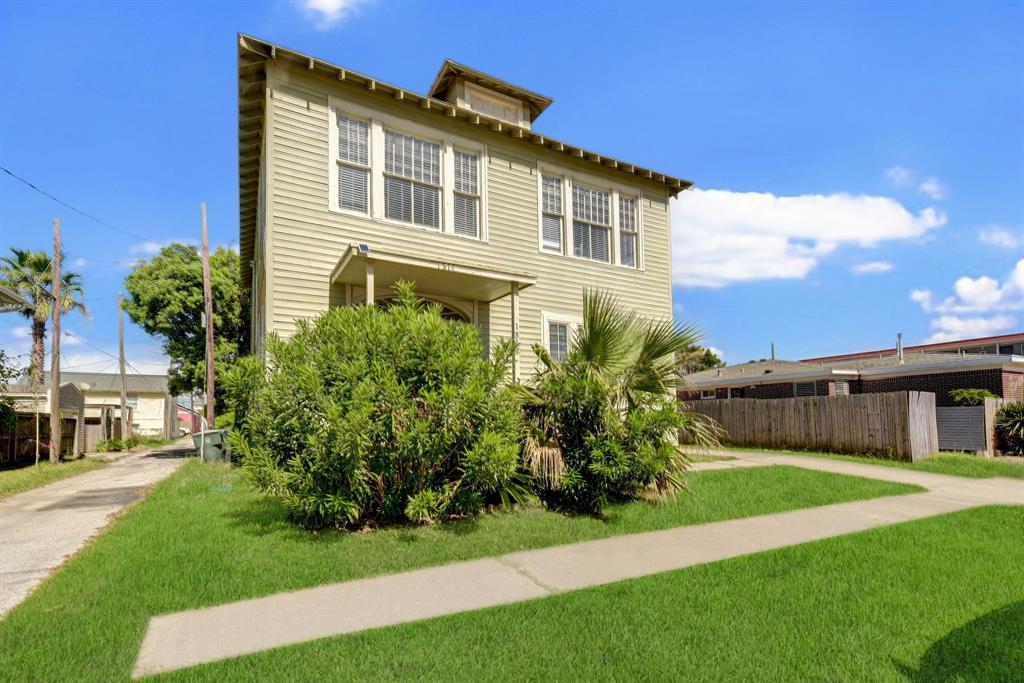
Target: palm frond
(545, 462)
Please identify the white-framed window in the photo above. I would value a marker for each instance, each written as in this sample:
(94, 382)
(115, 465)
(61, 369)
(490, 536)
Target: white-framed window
(353, 162)
(412, 180)
(842, 387)
(706, 394)
(467, 194)
(558, 340)
(394, 170)
(591, 223)
(805, 389)
(628, 226)
(558, 331)
(132, 401)
(551, 213)
(584, 216)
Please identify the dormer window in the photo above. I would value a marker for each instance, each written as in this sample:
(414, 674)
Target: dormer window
(486, 95)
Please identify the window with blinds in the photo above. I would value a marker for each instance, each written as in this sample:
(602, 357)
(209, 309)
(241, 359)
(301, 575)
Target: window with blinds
(467, 194)
(805, 389)
(558, 340)
(591, 228)
(551, 213)
(412, 180)
(627, 231)
(353, 163)
(842, 387)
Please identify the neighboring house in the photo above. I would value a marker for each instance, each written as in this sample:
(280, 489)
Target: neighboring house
(938, 373)
(349, 184)
(18, 441)
(1002, 345)
(153, 411)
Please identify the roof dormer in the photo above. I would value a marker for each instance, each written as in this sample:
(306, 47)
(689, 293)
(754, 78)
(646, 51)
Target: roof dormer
(471, 89)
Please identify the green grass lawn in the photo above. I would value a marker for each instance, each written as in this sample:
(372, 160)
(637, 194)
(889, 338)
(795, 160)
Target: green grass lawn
(933, 600)
(959, 464)
(203, 537)
(25, 477)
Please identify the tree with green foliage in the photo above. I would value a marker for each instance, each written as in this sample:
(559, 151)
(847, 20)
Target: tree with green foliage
(369, 415)
(8, 372)
(30, 273)
(970, 397)
(165, 298)
(696, 358)
(1010, 427)
(604, 424)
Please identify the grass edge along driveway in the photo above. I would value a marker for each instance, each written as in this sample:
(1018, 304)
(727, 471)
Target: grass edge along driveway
(16, 480)
(203, 537)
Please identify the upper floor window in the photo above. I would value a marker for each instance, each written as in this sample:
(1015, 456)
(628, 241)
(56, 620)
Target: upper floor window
(412, 180)
(394, 170)
(591, 223)
(467, 194)
(353, 163)
(132, 401)
(551, 213)
(627, 231)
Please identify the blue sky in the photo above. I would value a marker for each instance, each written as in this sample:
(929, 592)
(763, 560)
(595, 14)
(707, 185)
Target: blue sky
(860, 166)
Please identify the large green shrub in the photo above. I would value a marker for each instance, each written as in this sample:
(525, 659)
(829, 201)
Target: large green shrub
(371, 416)
(1010, 427)
(605, 423)
(970, 397)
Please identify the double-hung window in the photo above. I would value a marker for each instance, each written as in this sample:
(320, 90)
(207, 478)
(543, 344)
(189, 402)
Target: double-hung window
(627, 231)
(467, 194)
(412, 180)
(558, 340)
(591, 226)
(551, 213)
(353, 163)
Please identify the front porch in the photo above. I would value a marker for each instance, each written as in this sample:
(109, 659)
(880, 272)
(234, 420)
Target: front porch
(366, 275)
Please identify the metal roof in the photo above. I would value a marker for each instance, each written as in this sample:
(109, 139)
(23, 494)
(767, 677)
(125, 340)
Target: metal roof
(105, 382)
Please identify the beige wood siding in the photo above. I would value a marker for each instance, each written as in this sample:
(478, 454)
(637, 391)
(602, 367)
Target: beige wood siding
(307, 238)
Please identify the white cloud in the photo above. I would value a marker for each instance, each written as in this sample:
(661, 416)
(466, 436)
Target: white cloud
(79, 263)
(151, 248)
(933, 188)
(978, 306)
(717, 351)
(21, 331)
(721, 237)
(871, 267)
(899, 176)
(1000, 237)
(326, 14)
(953, 328)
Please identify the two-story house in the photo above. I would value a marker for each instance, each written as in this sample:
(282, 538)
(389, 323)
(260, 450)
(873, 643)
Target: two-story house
(349, 184)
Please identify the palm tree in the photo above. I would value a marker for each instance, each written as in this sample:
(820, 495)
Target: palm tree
(634, 361)
(29, 273)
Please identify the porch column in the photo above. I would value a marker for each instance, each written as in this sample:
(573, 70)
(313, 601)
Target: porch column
(369, 282)
(515, 330)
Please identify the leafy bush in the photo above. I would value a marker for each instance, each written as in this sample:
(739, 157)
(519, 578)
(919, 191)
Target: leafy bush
(970, 397)
(604, 423)
(1010, 427)
(115, 445)
(370, 416)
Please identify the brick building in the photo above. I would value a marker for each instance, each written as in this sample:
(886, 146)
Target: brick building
(935, 372)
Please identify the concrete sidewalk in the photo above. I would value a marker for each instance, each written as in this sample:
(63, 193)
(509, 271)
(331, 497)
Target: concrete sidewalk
(175, 641)
(40, 528)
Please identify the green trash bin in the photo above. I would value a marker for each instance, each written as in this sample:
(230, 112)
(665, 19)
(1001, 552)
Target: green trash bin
(212, 444)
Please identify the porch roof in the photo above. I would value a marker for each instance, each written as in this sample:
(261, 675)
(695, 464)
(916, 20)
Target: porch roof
(456, 279)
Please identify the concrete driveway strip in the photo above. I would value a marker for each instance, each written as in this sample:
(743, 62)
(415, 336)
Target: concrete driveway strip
(183, 639)
(40, 528)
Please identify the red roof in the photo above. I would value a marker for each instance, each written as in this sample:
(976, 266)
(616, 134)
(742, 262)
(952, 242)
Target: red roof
(937, 346)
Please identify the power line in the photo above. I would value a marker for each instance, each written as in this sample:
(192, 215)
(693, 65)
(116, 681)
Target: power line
(76, 210)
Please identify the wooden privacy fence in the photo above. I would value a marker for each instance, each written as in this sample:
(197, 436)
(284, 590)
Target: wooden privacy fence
(899, 425)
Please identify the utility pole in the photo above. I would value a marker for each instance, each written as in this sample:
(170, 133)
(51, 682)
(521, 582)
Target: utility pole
(208, 307)
(120, 358)
(55, 345)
